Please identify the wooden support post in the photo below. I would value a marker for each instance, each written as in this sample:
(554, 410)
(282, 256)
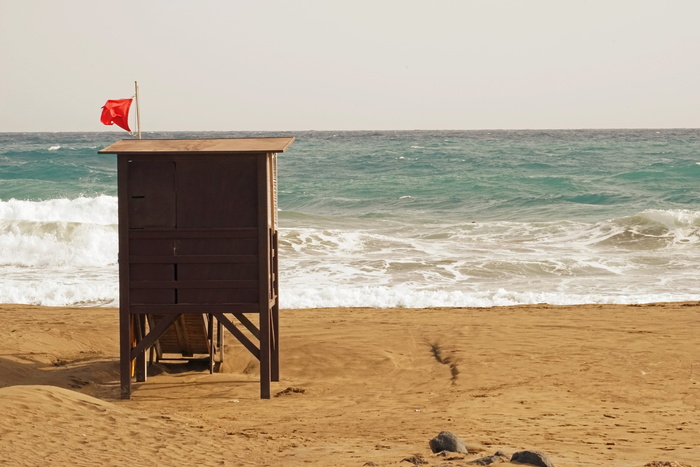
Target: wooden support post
(125, 355)
(264, 275)
(125, 323)
(275, 370)
(274, 265)
(141, 373)
(210, 338)
(220, 340)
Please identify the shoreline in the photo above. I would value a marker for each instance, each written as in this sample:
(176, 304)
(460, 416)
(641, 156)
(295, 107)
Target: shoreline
(588, 385)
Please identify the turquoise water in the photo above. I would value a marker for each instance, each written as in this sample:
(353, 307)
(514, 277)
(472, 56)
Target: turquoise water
(499, 175)
(400, 218)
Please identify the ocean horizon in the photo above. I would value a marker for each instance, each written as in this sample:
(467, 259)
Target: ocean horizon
(418, 218)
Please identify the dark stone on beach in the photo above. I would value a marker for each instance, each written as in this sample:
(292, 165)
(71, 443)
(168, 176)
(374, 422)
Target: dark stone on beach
(667, 464)
(415, 460)
(448, 441)
(497, 458)
(291, 390)
(533, 458)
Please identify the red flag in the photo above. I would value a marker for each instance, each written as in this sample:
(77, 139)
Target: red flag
(116, 112)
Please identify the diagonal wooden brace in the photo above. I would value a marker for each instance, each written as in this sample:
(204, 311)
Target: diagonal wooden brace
(153, 336)
(238, 334)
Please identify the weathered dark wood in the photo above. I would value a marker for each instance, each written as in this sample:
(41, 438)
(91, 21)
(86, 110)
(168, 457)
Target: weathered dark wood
(156, 346)
(220, 340)
(182, 308)
(210, 339)
(197, 236)
(275, 310)
(152, 336)
(125, 317)
(183, 338)
(234, 259)
(195, 233)
(214, 192)
(248, 324)
(195, 147)
(187, 337)
(201, 284)
(151, 195)
(140, 323)
(238, 334)
(264, 278)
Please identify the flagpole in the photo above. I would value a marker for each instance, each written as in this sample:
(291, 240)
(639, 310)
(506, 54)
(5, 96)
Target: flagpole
(138, 110)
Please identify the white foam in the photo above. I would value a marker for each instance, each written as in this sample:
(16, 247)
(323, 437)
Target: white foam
(79, 232)
(99, 210)
(42, 244)
(59, 252)
(683, 225)
(64, 252)
(409, 297)
(493, 264)
(60, 287)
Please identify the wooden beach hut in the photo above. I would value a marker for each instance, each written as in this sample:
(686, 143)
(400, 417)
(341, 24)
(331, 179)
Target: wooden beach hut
(197, 250)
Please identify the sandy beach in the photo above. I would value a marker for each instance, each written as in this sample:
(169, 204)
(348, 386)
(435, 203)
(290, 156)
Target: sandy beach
(588, 385)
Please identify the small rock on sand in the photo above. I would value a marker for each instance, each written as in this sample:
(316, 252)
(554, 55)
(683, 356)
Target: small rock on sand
(532, 457)
(448, 441)
(497, 458)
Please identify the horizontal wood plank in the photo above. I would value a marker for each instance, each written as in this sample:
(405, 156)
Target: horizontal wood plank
(202, 259)
(243, 232)
(202, 284)
(182, 308)
(195, 147)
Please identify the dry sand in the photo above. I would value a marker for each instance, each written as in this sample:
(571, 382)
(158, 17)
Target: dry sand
(588, 385)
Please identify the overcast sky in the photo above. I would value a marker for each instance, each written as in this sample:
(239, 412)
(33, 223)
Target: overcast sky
(361, 64)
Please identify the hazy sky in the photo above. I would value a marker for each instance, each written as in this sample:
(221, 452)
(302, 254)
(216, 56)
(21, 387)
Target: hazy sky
(361, 64)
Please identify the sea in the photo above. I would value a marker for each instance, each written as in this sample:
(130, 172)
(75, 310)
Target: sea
(395, 218)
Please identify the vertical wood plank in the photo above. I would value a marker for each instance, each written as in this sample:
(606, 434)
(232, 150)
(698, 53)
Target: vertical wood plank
(264, 278)
(141, 374)
(272, 186)
(124, 301)
(275, 370)
(220, 340)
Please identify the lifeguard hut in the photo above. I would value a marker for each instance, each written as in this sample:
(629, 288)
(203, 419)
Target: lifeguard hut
(197, 250)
